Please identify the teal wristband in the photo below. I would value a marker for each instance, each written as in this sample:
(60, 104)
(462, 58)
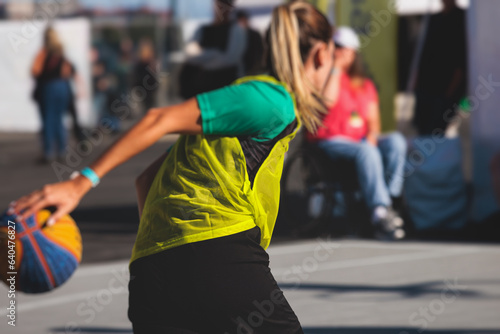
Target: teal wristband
(91, 175)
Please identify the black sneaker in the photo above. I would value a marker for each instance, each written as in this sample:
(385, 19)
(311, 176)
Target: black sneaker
(390, 227)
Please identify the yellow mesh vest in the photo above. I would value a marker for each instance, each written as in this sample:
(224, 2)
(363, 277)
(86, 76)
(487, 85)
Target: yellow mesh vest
(202, 191)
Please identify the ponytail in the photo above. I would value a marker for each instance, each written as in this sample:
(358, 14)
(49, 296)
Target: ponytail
(295, 28)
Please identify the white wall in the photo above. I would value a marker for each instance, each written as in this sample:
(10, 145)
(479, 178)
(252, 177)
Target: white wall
(22, 41)
(484, 53)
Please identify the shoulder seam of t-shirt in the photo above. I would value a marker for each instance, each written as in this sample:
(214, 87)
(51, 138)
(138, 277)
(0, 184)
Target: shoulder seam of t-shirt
(283, 104)
(276, 85)
(286, 95)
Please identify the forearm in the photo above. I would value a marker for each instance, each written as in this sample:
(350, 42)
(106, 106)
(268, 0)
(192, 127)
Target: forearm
(65, 196)
(372, 138)
(183, 118)
(374, 128)
(141, 136)
(374, 124)
(332, 88)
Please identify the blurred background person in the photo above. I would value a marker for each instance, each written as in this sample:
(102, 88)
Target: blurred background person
(215, 54)
(254, 53)
(351, 131)
(52, 72)
(101, 85)
(145, 74)
(124, 68)
(441, 81)
(73, 96)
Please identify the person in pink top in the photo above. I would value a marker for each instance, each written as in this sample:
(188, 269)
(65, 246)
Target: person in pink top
(351, 131)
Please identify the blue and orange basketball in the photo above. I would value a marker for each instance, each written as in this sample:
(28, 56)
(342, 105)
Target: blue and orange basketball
(45, 256)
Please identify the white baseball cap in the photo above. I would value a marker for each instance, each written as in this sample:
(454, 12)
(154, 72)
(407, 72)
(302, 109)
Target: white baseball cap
(347, 38)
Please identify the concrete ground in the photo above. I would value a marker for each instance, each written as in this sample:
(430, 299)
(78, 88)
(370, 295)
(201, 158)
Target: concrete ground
(345, 286)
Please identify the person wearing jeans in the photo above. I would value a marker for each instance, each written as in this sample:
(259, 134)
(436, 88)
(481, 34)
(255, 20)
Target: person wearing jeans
(55, 103)
(379, 168)
(52, 71)
(351, 131)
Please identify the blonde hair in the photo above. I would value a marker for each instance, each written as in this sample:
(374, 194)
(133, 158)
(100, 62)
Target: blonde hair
(52, 42)
(295, 28)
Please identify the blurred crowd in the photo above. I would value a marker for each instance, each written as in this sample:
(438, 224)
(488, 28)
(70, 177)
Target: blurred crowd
(217, 54)
(116, 71)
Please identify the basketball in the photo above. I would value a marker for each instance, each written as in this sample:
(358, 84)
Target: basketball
(40, 257)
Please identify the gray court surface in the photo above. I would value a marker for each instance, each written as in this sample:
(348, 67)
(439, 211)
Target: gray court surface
(346, 286)
(334, 286)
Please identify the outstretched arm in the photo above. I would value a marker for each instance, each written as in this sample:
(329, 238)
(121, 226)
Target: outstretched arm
(183, 119)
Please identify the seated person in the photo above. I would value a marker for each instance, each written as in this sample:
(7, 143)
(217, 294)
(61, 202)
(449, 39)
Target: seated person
(351, 130)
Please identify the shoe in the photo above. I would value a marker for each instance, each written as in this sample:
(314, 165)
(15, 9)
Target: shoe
(389, 227)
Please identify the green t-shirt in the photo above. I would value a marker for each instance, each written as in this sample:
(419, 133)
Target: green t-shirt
(260, 110)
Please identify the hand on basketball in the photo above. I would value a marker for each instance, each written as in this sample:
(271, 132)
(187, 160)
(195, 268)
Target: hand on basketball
(65, 196)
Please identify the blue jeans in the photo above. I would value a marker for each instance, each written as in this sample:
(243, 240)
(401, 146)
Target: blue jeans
(54, 105)
(379, 169)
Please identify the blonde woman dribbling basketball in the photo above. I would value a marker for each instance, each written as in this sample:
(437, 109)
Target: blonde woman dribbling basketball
(209, 205)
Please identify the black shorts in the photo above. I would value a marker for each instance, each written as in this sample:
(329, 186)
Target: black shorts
(219, 286)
